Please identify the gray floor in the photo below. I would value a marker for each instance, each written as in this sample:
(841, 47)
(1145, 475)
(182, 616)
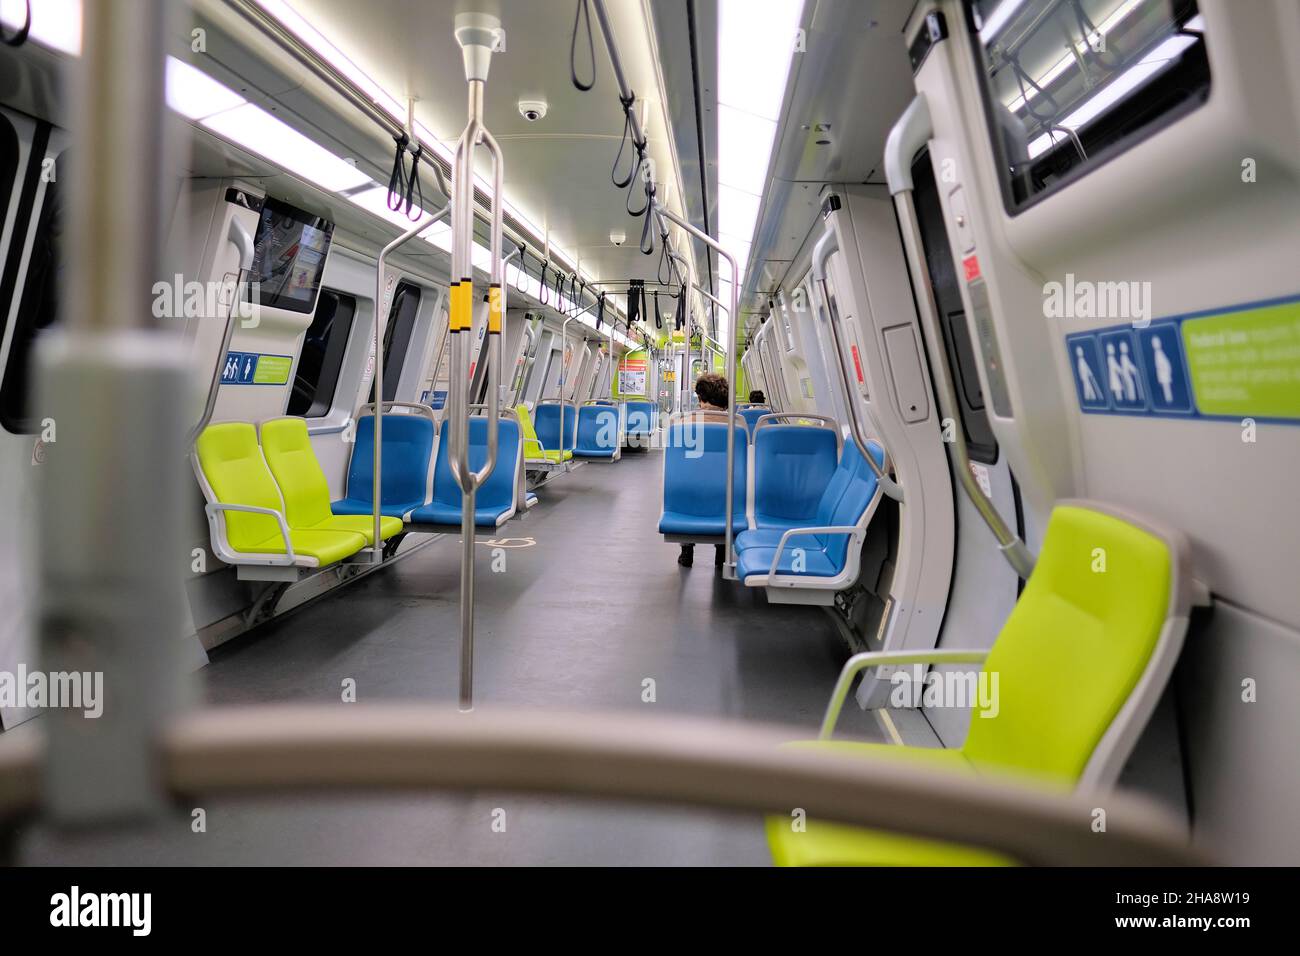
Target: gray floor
(575, 621)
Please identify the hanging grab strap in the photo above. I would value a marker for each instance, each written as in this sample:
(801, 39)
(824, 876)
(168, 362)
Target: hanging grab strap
(583, 12)
(413, 187)
(397, 179)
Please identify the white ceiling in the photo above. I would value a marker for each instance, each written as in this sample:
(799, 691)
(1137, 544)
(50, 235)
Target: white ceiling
(844, 95)
(557, 170)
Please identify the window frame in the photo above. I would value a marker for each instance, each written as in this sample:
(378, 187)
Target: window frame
(33, 216)
(1095, 161)
(333, 359)
(393, 376)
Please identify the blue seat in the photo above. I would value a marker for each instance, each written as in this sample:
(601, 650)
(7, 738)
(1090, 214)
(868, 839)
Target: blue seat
(598, 433)
(792, 465)
(845, 501)
(695, 481)
(407, 457)
(642, 417)
(546, 422)
(496, 501)
(751, 414)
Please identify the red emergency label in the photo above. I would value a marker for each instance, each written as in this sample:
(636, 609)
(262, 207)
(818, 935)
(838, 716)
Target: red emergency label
(857, 364)
(972, 266)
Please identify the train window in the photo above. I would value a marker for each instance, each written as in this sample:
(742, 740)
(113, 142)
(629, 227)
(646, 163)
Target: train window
(1071, 84)
(322, 355)
(397, 335)
(9, 186)
(38, 309)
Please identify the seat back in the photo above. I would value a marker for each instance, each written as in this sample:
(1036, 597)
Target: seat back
(751, 414)
(641, 417)
(546, 422)
(597, 428)
(527, 434)
(407, 453)
(235, 473)
(792, 465)
(1076, 644)
(501, 487)
(695, 470)
(848, 495)
(288, 451)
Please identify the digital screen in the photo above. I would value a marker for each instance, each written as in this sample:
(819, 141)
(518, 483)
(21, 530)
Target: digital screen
(289, 256)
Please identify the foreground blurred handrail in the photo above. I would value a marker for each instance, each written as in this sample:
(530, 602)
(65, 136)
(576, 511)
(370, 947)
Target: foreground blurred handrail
(688, 762)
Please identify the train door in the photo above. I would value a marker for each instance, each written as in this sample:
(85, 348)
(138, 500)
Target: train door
(868, 308)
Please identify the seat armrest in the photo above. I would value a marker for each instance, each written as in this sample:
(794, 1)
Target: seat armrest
(800, 532)
(858, 663)
(213, 507)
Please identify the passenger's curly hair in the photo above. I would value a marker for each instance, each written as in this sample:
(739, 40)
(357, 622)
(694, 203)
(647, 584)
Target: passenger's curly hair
(712, 389)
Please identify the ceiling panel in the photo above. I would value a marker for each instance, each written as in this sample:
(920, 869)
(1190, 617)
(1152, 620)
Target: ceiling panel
(558, 168)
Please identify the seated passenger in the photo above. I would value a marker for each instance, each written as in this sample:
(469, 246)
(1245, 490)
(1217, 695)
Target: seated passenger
(756, 397)
(711, 389)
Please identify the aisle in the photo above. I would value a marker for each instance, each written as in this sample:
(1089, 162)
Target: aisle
(590, 604)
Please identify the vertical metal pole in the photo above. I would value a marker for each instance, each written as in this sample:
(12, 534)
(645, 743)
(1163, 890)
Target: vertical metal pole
(111, 596)
(729, 565)
(685, 385)
(564, 375)
(477, 35)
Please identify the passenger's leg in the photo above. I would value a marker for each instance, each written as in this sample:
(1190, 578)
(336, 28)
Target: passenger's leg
(687, 557)
(719, 555)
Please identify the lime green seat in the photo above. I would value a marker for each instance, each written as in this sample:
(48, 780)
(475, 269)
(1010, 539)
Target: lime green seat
(831, 844)
(245, 509)
(1080, 665)
(305, 489)
(533, 450)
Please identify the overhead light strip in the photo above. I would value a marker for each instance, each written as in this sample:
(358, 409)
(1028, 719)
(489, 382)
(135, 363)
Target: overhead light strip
(756, 44)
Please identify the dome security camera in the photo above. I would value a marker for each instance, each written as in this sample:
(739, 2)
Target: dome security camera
(618, 237)
(532, 110)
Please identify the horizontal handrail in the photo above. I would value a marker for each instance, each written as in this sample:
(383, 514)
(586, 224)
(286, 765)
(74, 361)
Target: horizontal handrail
(868, 659)
(686, 762)
(505, 412)
(216, 507)
(831, 529)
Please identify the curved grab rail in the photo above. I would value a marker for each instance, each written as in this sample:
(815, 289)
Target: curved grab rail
(680, 761)
(909, 134)
(827, 245)
(242, 241)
